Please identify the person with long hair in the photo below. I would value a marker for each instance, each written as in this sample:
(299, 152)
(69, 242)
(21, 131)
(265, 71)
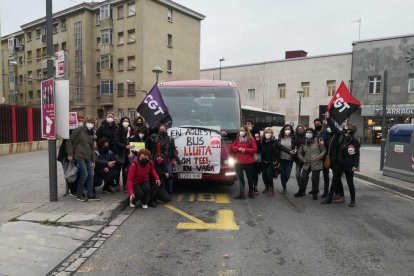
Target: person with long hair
(270, 150)
(121, 149)
(299, 140)
(287, 139)
(244, 147)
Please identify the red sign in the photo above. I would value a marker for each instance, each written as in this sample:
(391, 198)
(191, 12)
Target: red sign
(48, 109)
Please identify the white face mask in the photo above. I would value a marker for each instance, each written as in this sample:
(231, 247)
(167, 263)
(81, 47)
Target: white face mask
(329, 130)
(309, 135)
(109, 119)
(89, 126)
(125, 124)
(250, 128)
(287, 131)
(141, 135)
(242, 133)
(80, 124)
(268, 135)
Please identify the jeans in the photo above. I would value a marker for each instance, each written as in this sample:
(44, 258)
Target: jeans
(298, 173)
(257, 169)
(144, 192)
(249, 169)
(285, 170)
(267, 174)
(169, 183)
(325, 181)
(337, 186)
(305, 179)
(85, 173)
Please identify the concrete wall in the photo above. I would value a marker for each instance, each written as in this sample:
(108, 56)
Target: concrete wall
(6, 149)
(265, 77)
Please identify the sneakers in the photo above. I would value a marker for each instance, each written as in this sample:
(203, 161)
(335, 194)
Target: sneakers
(326, 202)
(240, 197)
(340, 200)
(324, 196)
(265, 190)
(152, 205)
(82, 198)
(256, 191)
(315, 196)
(93, 198)
(351, 204)
(251, 195)
(299, 194)
(270, 192)
(144, 206)
(132, 205)
(284, 191)
(107, 190)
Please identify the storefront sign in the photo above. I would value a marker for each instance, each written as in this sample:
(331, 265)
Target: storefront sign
(199, 151)
(399, 148)
(391, 111)
(48, 109)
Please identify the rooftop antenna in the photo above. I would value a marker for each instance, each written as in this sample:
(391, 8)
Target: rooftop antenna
(359, 21)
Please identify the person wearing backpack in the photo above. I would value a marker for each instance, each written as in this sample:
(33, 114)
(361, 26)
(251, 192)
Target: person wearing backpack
(311, 154)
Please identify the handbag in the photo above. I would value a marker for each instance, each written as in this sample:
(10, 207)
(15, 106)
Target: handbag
(275, 168)
(70, 171)
(327, 161)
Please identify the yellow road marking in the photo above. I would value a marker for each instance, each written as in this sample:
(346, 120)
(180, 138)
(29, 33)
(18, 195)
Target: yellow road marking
(184, 214)
(225, 221)
(86, 268)
(180, 197)
(191, 197)
(222, 198)
(205, 197)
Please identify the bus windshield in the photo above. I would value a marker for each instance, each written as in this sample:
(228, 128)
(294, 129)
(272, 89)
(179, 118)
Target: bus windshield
(203, 106)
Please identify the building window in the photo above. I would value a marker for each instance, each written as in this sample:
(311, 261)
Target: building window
(56, 47)
(106, 87)
(120, 12)
(29, 76)
(29, 36)
(55, 27)
(330, 88)
(282, 90)
(306, 89)
(30, 95)
(169, 40)
(169, 66)
(120, 113)
(374, 85)
(29, 55)
(411, 83)
(64, 46)
(120, 64)
(38, 53)
(39, 74)
(131, 89)
(63, 24)
(38, 33)
(105, 12)
(98, 18)
(120, 90)
(106, 62)
(131, 113)
(131, 9)
(131, 62)
(170, 15)
(38, 94)
(121, 38)
(98, 42)
(20, 61)
(131, 36)
(252, 94)
(106, 36)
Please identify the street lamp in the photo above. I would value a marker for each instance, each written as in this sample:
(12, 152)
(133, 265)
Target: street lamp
(300, 92)
(157, 70)
(222, 59)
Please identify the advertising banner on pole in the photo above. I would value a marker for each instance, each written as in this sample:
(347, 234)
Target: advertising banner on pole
(199, 150)
(60, 64)
(62, 108)
(73, 120)
(47, 88)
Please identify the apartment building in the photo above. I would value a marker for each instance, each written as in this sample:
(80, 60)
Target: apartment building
(111, 48)
(273, 85)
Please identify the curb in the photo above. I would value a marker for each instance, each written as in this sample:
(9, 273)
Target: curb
(382, 183)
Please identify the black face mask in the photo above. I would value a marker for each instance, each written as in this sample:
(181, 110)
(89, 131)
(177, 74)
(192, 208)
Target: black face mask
(143, 162)
(318, 128)
(163, 133)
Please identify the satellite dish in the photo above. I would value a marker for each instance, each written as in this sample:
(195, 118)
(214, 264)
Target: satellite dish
(3, 100)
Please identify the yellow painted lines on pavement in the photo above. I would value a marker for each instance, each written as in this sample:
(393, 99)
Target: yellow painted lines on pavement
(217, 198)
(225, 221)
(86, 268)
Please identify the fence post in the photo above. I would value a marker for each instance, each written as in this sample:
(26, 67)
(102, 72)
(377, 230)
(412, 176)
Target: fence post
(14, 124)
(29, 124)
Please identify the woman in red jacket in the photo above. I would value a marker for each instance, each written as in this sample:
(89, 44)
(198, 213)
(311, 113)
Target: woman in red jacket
(244, 147)
(138, 182)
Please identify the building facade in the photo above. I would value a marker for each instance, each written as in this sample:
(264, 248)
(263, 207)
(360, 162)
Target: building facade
(111, 48)
(370, 59)
(274, 85)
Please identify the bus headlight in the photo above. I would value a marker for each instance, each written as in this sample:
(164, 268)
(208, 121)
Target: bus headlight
(231, 162)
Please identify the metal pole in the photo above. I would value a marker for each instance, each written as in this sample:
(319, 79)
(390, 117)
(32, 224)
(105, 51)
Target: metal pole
(300, 105)
(220, 71)
(384, 120)
(51, 143)
(156, 77)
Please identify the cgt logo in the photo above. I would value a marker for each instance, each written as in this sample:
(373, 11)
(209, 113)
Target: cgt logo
(340, 103)
(153, 104)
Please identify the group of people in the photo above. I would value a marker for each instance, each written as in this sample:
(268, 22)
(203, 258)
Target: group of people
(323, 148)
(105, 155)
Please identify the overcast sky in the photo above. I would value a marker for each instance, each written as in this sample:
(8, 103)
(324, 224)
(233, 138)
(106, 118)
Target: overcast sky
(248, 31)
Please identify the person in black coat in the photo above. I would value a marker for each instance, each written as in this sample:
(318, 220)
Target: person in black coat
(345, 159)
(322, 134)
(105, 169)
(299, 140)
(257, 167)
(122, 147)
(108, 129)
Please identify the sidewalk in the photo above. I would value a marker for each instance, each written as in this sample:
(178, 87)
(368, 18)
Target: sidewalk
(369, 171)
(41, 239)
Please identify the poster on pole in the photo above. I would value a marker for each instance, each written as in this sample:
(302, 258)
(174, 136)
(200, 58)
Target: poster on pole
(60, 64)
(47, 88)
(62, 108)
(73, 120)
(199, 150)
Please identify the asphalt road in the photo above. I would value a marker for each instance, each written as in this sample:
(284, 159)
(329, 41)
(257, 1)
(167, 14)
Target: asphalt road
(277, 236)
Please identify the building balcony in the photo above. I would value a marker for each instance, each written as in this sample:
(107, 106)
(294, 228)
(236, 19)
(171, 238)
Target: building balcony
(106, 99)
(106, 23)
(106, 49)
(106, 74)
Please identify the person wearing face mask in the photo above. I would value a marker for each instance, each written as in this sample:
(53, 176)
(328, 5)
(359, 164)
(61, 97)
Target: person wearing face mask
(255, 132)
(107, 130)
(287, 139)
(80, 148)
(270, 150)
(322, 134)
(137, 123)
(139, 174)
(345, 160)
(311, 154)
(105, 169)
(141, 135)
(121, 149)
(164, 175)
(299, 140)
(244, 147)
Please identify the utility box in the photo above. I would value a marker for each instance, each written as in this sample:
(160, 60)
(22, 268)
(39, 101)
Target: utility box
(399, 159)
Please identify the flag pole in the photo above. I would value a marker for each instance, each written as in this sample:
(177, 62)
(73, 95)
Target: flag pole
(384, 120)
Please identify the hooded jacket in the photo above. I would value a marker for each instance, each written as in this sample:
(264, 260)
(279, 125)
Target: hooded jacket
(80, 144)
(108, 131)
(138, 174)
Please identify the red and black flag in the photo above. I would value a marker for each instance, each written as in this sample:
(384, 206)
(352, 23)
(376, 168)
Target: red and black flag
(342, 104)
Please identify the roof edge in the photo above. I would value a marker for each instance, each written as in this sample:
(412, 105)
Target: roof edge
(381, 38)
